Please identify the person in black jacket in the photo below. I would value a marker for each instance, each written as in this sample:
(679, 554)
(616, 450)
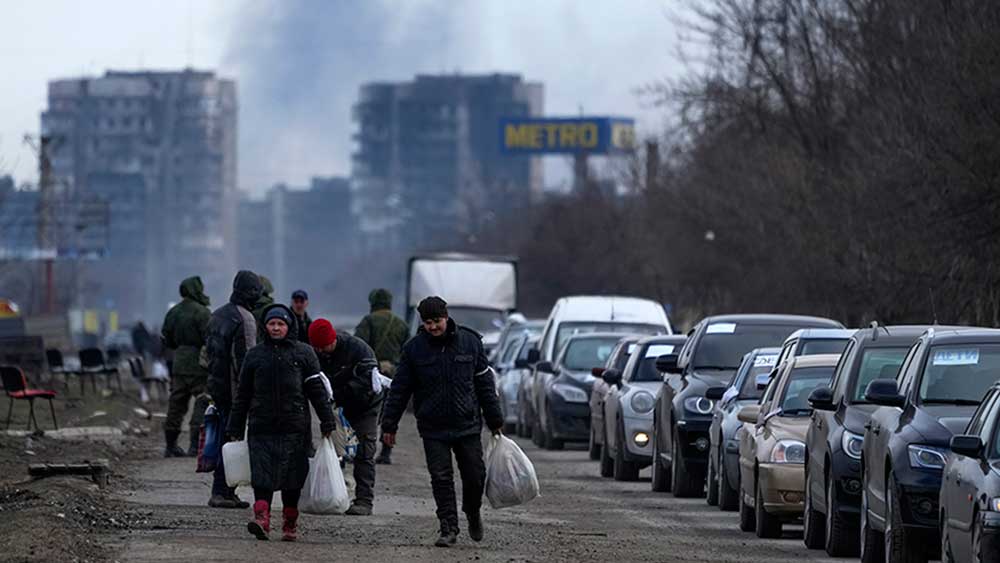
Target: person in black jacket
(349, 362)
(444, 369)
(232, 331)
(279, 375)
(300, 301)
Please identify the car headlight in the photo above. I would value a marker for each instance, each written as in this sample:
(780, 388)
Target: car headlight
(642, 402)
(789, 451)
(569, 393)
(995, 504)
(852, 444)
(927, 457)
(699, 405)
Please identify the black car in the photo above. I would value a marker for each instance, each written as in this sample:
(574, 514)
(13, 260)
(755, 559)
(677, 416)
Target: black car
(970, 490)
(616, 361)
(941, 382)
(836, 432)
(710, 357)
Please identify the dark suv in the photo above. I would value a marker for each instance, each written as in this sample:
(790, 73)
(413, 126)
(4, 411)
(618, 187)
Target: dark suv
(836, 432)
(941, 382)
(710, 357)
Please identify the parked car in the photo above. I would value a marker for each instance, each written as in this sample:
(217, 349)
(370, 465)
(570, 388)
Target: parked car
(836, 432)
(616, 361)
(683, 414)
(970, 489)
(724, 452)
(812, 341)
(772, 445)
(941, 382)
(628, 408)
(515, 327)
(562, 389)
(513, 367)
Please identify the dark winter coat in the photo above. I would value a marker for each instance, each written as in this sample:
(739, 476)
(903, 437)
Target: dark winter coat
(303, 326)
(385, 333)
(349, 368)
(275, 387)
(263, 302)
(185, 328)
(450, 382)
(232, 331)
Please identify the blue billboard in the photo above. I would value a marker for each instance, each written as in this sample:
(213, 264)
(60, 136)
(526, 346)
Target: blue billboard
(591, 135)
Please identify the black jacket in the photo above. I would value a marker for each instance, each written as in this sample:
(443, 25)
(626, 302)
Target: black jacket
(349, 368)
(450, 382)
(303, 326)
(232, 331)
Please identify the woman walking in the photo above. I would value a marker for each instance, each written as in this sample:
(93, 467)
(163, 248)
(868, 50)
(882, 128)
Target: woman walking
(277, 378)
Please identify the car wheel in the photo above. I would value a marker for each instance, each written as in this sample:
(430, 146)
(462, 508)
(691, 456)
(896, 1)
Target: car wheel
(661, 477)
(841, 534)
(813, 524)
(728, 496)
(686, 483)
(712, 483)
(898, 547)
(871, 545)
(593, 448)
(607, 464)
(747, 521)
(624, 470)
(768, 526)
(551, 443)
(978, 554)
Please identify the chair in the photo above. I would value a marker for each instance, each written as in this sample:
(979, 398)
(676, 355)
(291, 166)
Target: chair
(57, 367)
(92, 362)
(16, 386)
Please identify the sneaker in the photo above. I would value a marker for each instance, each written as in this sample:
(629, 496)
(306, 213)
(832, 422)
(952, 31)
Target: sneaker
(173, 450)
(219, 501)
(359, 510)
(237, 501)
(383, 460)
(447, 539)
(475, 526)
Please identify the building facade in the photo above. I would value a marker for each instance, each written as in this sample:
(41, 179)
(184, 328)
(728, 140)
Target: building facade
(428, 169)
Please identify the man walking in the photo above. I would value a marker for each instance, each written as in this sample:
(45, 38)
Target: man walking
(348, 362)
(385, 333)
(300, 301)
(444, 369)
(232, 331)
(185, 329)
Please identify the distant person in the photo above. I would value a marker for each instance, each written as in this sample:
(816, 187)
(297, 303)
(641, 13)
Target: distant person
(348, 362)
(232, 331)
(444, 369)
(141, 339)
(277, 377)
(185, 330)
(300, 301)
(263, 302)
(385, 333)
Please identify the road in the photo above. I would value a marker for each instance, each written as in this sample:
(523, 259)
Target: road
(579, 517)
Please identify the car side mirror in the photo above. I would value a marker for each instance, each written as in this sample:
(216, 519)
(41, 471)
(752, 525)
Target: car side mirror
(534, 355)
(597, 372)
(749, 414)
(967, 445)
(545, 367)
(613, 376)
(521, 363)
(884, 392)
(821, 399)
(715, 393)
(762, 381)
(667, 363)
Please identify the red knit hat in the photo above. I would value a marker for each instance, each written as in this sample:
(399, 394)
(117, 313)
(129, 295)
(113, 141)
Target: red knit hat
(321, 333)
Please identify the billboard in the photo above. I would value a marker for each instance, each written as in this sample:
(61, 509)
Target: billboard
(592, 135)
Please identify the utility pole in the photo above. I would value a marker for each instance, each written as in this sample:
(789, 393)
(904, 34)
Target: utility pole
(46, 235)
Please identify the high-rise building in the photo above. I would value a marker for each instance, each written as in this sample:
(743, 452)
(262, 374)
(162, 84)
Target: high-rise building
(172, 137)
(428, 167)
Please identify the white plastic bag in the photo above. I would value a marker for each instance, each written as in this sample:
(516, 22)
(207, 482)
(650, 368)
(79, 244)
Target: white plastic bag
(510, 476)
(376, 381)
(236, 459)
(325, 491)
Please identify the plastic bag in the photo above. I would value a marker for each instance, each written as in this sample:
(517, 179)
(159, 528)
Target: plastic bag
(209, 442)
(376, 381)
(236, 459)
(325, 491)
(510, 476)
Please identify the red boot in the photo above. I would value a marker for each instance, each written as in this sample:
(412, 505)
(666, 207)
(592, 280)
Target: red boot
(260, 526)
(289, 528)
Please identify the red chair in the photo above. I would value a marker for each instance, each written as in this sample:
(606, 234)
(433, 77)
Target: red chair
(16, 386)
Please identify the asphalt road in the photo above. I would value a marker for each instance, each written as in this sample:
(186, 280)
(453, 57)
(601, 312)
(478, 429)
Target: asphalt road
(579, 517)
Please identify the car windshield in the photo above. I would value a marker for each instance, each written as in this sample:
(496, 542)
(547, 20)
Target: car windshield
(479, 320)
(723, 345)
(749, 388)
(510, 350)
(877, 363)
(802, 382)
(584, 354)
(959, 374)
(645, 370)
(528, 346)
(823, 346)
(569, 329)
(623, 355)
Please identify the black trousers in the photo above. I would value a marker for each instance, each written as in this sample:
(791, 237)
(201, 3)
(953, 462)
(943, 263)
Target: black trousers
(468, 452)
(289, 498)
(366, 430)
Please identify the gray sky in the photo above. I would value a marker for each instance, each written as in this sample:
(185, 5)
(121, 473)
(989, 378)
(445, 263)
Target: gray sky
(299, 63)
